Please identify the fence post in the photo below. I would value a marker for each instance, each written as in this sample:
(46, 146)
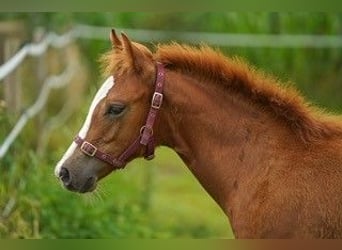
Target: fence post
(12, 34)
(41, 74)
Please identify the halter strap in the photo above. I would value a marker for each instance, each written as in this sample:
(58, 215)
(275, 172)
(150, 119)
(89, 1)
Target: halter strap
(145, 137)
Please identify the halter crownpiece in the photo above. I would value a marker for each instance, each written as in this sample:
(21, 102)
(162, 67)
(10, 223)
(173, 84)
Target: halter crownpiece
(145, 137)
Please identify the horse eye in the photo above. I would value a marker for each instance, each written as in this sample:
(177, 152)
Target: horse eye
(115, 110)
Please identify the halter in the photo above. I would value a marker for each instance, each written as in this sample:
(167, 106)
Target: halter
(145, 137)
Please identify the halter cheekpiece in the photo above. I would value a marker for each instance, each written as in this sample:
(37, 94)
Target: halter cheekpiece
(145, 137)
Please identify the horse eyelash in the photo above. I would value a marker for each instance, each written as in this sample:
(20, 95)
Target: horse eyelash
(119, 109)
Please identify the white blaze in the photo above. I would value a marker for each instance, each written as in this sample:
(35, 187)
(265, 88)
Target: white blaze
(101, 93)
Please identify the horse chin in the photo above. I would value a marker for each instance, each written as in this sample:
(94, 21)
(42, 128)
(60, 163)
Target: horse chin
(89, 186)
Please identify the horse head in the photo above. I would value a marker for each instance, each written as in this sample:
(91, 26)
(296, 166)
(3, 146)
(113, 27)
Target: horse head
(115, 130)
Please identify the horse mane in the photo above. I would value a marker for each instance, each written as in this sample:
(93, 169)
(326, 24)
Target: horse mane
(285, 103)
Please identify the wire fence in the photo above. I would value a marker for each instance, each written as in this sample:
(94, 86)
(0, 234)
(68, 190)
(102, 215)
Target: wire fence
(81, 31)
(52, 39)
(51, 82)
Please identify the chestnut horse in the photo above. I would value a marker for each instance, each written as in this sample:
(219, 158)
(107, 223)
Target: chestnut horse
(270, 160)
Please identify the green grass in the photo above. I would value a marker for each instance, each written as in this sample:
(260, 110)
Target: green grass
(156, 199)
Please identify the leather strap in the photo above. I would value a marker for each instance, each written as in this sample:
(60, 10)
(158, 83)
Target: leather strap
(146, 131)
(145, 138)
(89, 149)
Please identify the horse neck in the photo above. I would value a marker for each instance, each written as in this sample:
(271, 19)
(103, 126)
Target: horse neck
(219, 136)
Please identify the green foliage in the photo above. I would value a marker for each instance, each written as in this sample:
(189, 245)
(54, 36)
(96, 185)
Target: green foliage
(135, 203)
(147, 200)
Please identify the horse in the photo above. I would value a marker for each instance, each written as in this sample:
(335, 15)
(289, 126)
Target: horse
(270, 160)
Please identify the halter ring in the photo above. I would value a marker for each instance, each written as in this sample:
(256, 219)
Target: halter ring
(150, 130)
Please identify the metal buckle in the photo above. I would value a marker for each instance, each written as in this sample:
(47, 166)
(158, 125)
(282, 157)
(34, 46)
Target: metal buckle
(88, 148)
(157, 100)
(150, 130)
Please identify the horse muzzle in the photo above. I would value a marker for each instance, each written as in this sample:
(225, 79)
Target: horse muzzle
(79, 184)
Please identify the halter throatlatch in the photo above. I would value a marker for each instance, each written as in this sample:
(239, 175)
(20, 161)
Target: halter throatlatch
(145, 137)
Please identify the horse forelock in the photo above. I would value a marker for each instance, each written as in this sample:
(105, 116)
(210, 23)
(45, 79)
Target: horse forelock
(114, 61)
(118, 61)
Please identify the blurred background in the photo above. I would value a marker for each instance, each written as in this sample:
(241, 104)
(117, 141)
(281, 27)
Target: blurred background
(49, 72)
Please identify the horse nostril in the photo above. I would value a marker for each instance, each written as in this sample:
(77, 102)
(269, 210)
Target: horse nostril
(64, 175)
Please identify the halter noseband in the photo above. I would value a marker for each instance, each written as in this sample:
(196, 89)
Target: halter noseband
(145, 137)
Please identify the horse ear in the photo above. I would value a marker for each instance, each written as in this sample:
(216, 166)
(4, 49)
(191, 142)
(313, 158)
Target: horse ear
(128, 45)
(116, 42)
(132, 51)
